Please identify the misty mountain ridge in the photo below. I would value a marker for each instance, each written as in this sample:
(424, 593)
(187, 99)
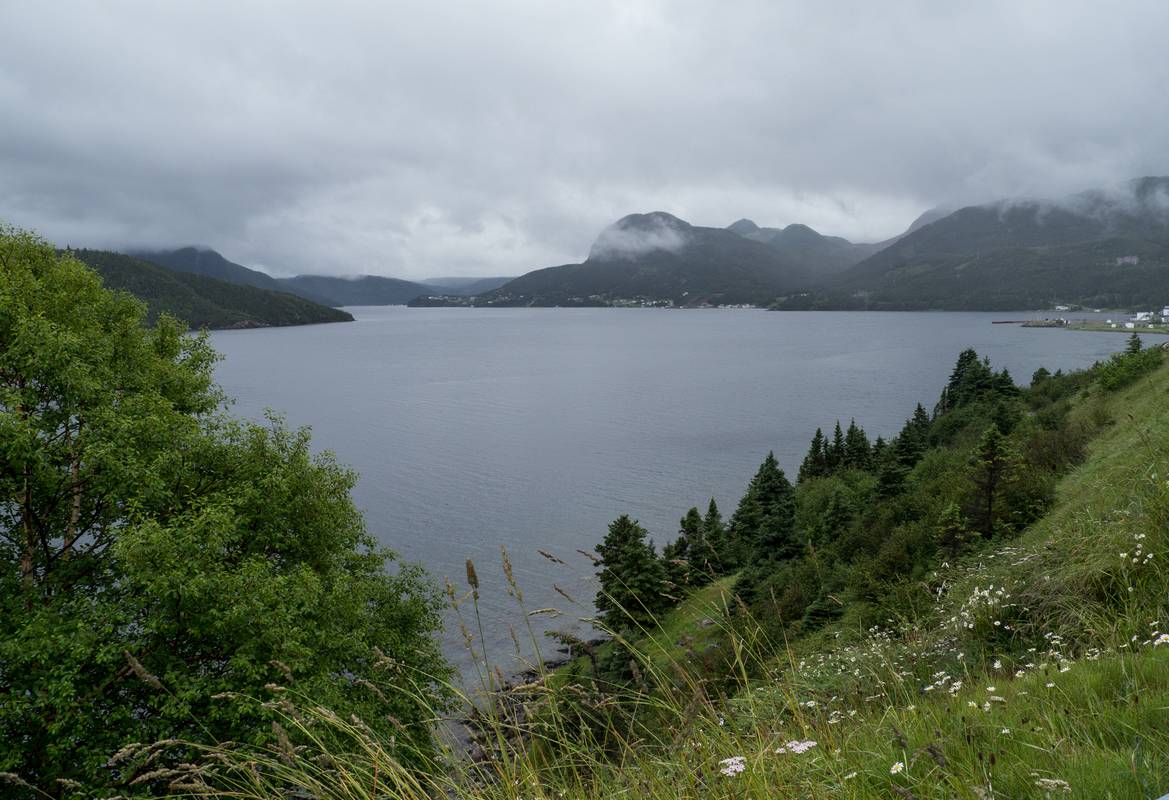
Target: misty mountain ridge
(1107, 248)
(806, 247)
(1101, 247)
(656, 255)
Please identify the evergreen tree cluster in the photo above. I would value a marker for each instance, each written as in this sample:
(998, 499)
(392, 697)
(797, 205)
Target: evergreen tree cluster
(864, 516)
(847, 450)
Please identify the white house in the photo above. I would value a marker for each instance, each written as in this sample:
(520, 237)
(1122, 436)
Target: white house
(1130, 325)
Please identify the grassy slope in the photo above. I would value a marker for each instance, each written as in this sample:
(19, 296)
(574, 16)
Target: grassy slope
(1033, 672)
(1084, 690)
(204, 302)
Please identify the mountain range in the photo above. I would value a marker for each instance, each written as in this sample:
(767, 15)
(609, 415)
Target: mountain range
(358, 290)
(1099, 248)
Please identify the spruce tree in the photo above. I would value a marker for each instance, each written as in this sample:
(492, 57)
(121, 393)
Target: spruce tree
(715, 533)
(952, 531)
(993, 466)
(857, 450)
(697, 551)
(913, 440)
(676, 570)
(632, 578)
(836, 450)
(762, 526)
(815, 464)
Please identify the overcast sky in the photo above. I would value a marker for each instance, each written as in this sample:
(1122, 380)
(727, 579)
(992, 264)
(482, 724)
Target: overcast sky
(432, 138)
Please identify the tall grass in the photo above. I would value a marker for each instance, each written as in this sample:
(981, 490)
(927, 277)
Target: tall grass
(1037, 668)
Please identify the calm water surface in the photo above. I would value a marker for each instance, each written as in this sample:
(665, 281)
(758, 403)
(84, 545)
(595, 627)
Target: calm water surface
(474, 429)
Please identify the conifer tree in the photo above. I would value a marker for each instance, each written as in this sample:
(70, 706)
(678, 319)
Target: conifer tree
(697, 550)
(763, 526)
(632, 578)
(857, 450)
(715, 534)
(952, 531)
(992, 468)
(836, 450)
(913, 440)
(815, 464)
(676, 570)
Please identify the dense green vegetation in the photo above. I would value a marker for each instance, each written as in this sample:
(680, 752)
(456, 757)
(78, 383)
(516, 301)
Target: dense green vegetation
(155, 554)
(200, 301)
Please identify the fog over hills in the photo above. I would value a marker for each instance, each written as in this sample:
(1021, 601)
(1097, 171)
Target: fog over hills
(1102, 247)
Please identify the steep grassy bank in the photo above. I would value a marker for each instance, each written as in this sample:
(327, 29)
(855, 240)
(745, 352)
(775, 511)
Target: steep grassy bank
(1031, 666)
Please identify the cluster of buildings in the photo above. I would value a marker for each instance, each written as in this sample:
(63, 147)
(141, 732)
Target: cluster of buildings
(1143, 319)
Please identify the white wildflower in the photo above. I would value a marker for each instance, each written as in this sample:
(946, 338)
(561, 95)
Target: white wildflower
(732, 766)
(796, 746)
(897, 768)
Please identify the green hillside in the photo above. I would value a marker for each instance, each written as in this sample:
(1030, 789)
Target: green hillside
(805, 247)
(1093, 249)
(361, 290)
(204, 302)
(210, 264)
(328, 290)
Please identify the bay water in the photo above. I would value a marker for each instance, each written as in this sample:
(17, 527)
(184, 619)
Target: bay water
(476, 429)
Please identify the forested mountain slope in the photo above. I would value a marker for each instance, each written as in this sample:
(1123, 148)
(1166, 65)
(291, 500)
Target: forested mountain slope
(204, 302)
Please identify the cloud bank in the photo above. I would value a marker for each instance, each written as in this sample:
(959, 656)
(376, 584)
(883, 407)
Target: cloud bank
(424, 137)
(629, 238)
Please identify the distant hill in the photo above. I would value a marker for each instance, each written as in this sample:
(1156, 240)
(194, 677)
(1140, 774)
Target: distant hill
(804, 247)
(204, 302)
(1096, 248)
(207, 262)
(464, 286)
(658, 256)
(363, 290)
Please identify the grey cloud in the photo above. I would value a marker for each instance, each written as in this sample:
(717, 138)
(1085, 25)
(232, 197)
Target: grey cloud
(625, 240)
(415, 138)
